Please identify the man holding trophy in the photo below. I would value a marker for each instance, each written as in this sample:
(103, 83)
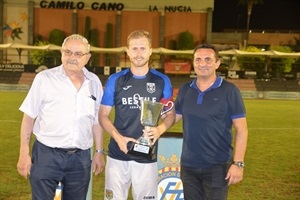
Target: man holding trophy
(143, 103)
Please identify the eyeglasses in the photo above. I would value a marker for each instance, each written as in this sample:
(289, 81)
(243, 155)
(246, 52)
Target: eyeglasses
(77, 54)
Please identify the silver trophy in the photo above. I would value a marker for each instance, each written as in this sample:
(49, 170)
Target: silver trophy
(150, 115)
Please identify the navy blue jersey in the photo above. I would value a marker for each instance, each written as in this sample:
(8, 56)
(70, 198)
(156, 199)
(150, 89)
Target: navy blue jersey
(124, 91)
(207, 122)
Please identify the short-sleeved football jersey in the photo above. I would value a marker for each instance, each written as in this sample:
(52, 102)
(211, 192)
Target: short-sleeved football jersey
(124, 91)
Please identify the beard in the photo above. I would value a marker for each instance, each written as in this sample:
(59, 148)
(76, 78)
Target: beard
(139, 62)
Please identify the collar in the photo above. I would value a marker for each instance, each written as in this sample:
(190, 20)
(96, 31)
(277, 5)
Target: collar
(216, 84)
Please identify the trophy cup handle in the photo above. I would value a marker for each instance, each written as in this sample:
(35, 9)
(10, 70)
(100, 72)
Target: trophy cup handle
(166, 105)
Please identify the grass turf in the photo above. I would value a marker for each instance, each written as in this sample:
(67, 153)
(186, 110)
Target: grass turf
(272, 159)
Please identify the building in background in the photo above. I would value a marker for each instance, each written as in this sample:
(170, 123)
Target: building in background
(112, 21)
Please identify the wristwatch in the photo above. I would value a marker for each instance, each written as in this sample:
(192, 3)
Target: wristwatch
(240, 164)
(101, 151)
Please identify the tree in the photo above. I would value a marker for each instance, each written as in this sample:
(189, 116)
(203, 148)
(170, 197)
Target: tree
(49, 58)
(281, 64)
(92, 36)
(57, 37)
(249, 4)
(42, 57)
(185, 42)
(296, 47)
(108, 43)
(252, 63)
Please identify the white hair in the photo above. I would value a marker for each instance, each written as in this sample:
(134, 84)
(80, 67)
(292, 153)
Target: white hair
(77, 37)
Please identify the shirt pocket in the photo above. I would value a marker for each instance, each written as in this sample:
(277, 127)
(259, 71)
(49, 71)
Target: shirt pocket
(87, 107)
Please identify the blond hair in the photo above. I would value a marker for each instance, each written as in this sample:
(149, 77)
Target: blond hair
(139, 34)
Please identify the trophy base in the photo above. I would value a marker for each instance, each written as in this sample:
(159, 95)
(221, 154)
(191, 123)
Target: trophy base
(142, 150)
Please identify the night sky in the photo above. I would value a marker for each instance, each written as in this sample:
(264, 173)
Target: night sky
(271, 15)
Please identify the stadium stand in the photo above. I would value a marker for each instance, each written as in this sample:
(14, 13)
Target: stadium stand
(278, 85)
(26, 78)
(10, 77)
(177, 81)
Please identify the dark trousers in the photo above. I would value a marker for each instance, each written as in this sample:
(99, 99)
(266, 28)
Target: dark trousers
(205, 183)
(71, 167)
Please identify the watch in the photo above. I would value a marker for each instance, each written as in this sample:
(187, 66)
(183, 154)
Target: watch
(101, 151)
(240, 164)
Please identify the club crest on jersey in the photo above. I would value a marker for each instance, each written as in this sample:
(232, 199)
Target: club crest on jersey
(151, 87)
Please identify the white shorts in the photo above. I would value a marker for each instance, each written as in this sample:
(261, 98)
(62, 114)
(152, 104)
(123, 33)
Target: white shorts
(119, 175)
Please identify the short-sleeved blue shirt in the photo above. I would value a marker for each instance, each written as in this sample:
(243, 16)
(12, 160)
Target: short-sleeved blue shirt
(124, 91)
(207, 121)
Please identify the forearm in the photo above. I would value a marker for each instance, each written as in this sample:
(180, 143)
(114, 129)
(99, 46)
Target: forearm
(25, 134)
(98, 158)
(167, 122)
(24, 162)
(98, 134)
(240, 146)
(241, 139)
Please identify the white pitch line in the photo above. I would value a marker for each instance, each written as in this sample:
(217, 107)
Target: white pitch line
(9, 121)
(274, 128)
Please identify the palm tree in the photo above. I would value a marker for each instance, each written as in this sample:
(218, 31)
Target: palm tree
(249, 4)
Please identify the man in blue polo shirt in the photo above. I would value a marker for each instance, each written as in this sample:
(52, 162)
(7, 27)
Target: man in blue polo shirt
(209, 106)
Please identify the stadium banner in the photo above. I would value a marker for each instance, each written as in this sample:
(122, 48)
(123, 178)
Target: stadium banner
(12, 67)
(178, 67)
(281, 95)
(168, 162)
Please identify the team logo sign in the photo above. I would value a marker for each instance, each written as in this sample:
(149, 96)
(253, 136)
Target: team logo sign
(151, 87)
(169, 182)
(109, 194)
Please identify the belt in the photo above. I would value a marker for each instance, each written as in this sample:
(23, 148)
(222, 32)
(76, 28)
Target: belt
(68, 150)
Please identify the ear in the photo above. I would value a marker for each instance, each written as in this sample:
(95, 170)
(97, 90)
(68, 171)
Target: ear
(88, 56)
(218, 63)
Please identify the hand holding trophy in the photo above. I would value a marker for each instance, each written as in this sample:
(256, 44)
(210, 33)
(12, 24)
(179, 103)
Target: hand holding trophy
(150, 115)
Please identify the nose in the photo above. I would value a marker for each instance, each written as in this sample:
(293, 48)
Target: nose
(138, 51)
(72, 54)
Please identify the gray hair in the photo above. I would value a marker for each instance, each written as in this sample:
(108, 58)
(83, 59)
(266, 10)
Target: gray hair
(77, 37)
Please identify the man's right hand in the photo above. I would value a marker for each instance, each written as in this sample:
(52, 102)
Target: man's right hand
(123, 143)
(24, 165)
